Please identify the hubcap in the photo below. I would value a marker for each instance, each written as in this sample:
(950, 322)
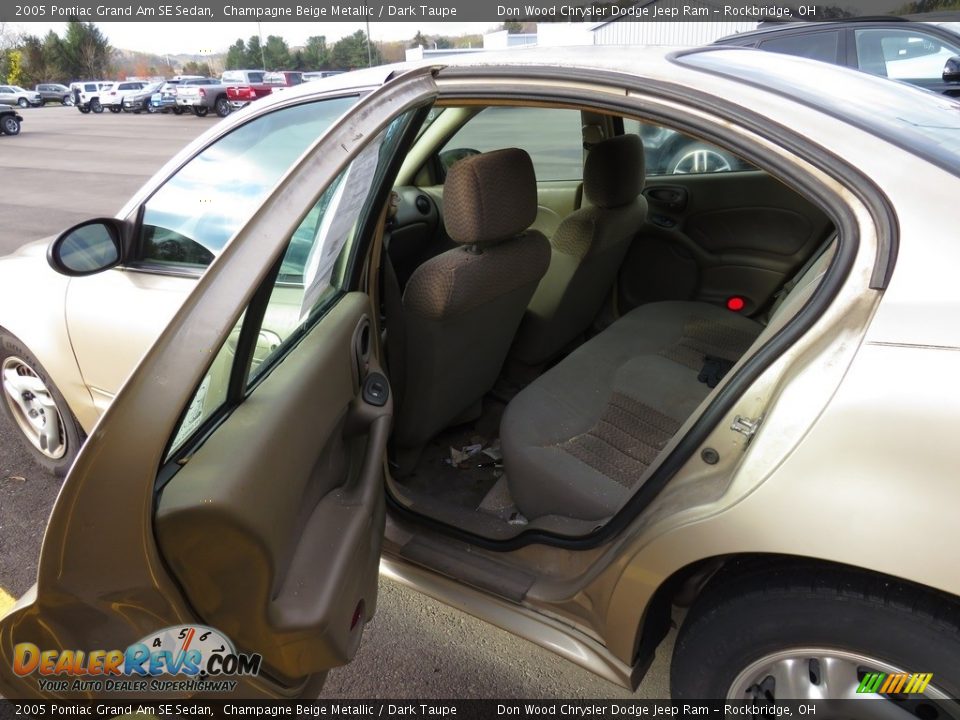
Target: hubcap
(33, 408)
(828, 674)
(701, 161)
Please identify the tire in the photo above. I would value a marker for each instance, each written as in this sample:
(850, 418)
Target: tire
(21, 373)
(222, 107)
(817, 630)
(96, 106)
(10, 125)
(65, 100)
(200, 110)
(177, 110)
(115, 109)
(700, 158)
(83, 108)
(23, 102)
(151, 109)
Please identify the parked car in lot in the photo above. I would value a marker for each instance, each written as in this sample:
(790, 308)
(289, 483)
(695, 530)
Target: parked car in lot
(245, 86)
(730, 392)
(112, 97)
(139, 101)
(54, 92)
(86, 95)
(203, 95)
(10, 121)
(15, 95)
(922, 53)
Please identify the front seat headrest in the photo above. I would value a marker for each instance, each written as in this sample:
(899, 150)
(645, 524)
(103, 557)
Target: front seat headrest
(490, 197)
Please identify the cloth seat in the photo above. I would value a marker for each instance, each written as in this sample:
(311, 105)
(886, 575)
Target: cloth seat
(461, 309)
(587, 251)
(578, 441)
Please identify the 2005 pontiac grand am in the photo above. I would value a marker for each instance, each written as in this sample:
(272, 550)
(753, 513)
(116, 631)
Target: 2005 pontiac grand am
(565, 339)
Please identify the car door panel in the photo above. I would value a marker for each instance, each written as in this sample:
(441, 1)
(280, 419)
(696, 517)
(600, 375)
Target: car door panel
(105, 578)
(284, 501)
(714, 236)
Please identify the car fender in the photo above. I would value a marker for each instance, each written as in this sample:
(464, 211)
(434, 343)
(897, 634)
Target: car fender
(870, 485)
(42, 326)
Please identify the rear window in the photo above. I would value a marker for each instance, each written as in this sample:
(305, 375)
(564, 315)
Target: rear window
(89, 87)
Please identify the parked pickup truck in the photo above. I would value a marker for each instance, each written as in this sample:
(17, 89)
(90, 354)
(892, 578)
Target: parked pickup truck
(203, 95)
(245, 86)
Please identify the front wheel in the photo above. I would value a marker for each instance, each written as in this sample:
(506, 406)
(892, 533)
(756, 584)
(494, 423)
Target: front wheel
(65, 100)
(151, 108)
(115, 108)
(83, 108)
(10, 125)
(36, 407)
(223, 107)
(177, 110)
(22, 102)
(765, 634)
(200, 110)
(96, 106)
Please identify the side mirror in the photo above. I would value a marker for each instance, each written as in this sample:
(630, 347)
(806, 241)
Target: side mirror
(88, 248)
(449, 157)
(951, 71)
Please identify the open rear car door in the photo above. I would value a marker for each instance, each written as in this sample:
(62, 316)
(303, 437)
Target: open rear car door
(224, 520)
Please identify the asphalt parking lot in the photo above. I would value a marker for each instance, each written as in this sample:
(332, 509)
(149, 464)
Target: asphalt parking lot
(66, 167)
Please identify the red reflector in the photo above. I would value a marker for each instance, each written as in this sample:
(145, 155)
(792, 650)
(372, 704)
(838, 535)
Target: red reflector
(357, 615)
(735, 303)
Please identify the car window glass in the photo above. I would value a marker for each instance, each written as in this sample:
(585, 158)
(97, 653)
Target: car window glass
(190, 218)
(552, 136)
(310, 278)
(902, 54)
(816, 46)
(668, 152)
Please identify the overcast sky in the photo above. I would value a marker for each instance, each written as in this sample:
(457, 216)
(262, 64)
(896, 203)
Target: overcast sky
(216, 37)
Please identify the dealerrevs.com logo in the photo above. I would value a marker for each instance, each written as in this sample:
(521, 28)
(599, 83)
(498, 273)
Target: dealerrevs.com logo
(180, 658)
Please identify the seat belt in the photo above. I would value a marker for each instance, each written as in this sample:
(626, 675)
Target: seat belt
(395, 330)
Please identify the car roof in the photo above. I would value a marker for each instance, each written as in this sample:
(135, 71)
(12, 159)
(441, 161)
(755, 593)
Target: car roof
(796, 27)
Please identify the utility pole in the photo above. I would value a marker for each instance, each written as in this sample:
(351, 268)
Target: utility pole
(369, 51)
(263, 59)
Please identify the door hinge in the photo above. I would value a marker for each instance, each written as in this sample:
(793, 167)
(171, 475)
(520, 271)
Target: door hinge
(745, 426)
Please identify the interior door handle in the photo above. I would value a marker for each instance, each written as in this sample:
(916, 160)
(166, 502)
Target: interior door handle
(669, 197)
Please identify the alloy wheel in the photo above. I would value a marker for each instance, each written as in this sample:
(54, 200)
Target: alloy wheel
(830, 674)
(33, 408)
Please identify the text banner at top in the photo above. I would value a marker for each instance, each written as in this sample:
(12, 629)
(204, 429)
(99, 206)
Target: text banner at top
(593, 11)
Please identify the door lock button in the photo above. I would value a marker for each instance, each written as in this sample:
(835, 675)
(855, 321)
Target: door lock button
(376, 389)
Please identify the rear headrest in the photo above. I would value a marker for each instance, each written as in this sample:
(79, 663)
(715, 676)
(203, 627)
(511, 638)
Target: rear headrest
(490, 197)
(613, 172)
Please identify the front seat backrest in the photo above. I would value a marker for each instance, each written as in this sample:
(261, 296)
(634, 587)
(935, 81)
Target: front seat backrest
(461, 309)
(587, 251)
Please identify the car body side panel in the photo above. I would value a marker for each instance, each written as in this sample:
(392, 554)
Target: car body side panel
(119, 303)
(877, 495)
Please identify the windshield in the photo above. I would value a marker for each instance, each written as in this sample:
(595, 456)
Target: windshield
(923, 122)
(190, 218)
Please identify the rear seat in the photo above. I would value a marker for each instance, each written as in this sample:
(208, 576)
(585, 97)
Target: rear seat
(578, 441)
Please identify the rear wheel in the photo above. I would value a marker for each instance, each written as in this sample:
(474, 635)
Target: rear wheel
(37, 409)
(223, 107)
(151, 108)
(768, 634)
(65, 100)
(200, 110)
(115, 108)
(83, 108)
(22, 102)
(177, 110)
(96, 106)
(10, 125)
